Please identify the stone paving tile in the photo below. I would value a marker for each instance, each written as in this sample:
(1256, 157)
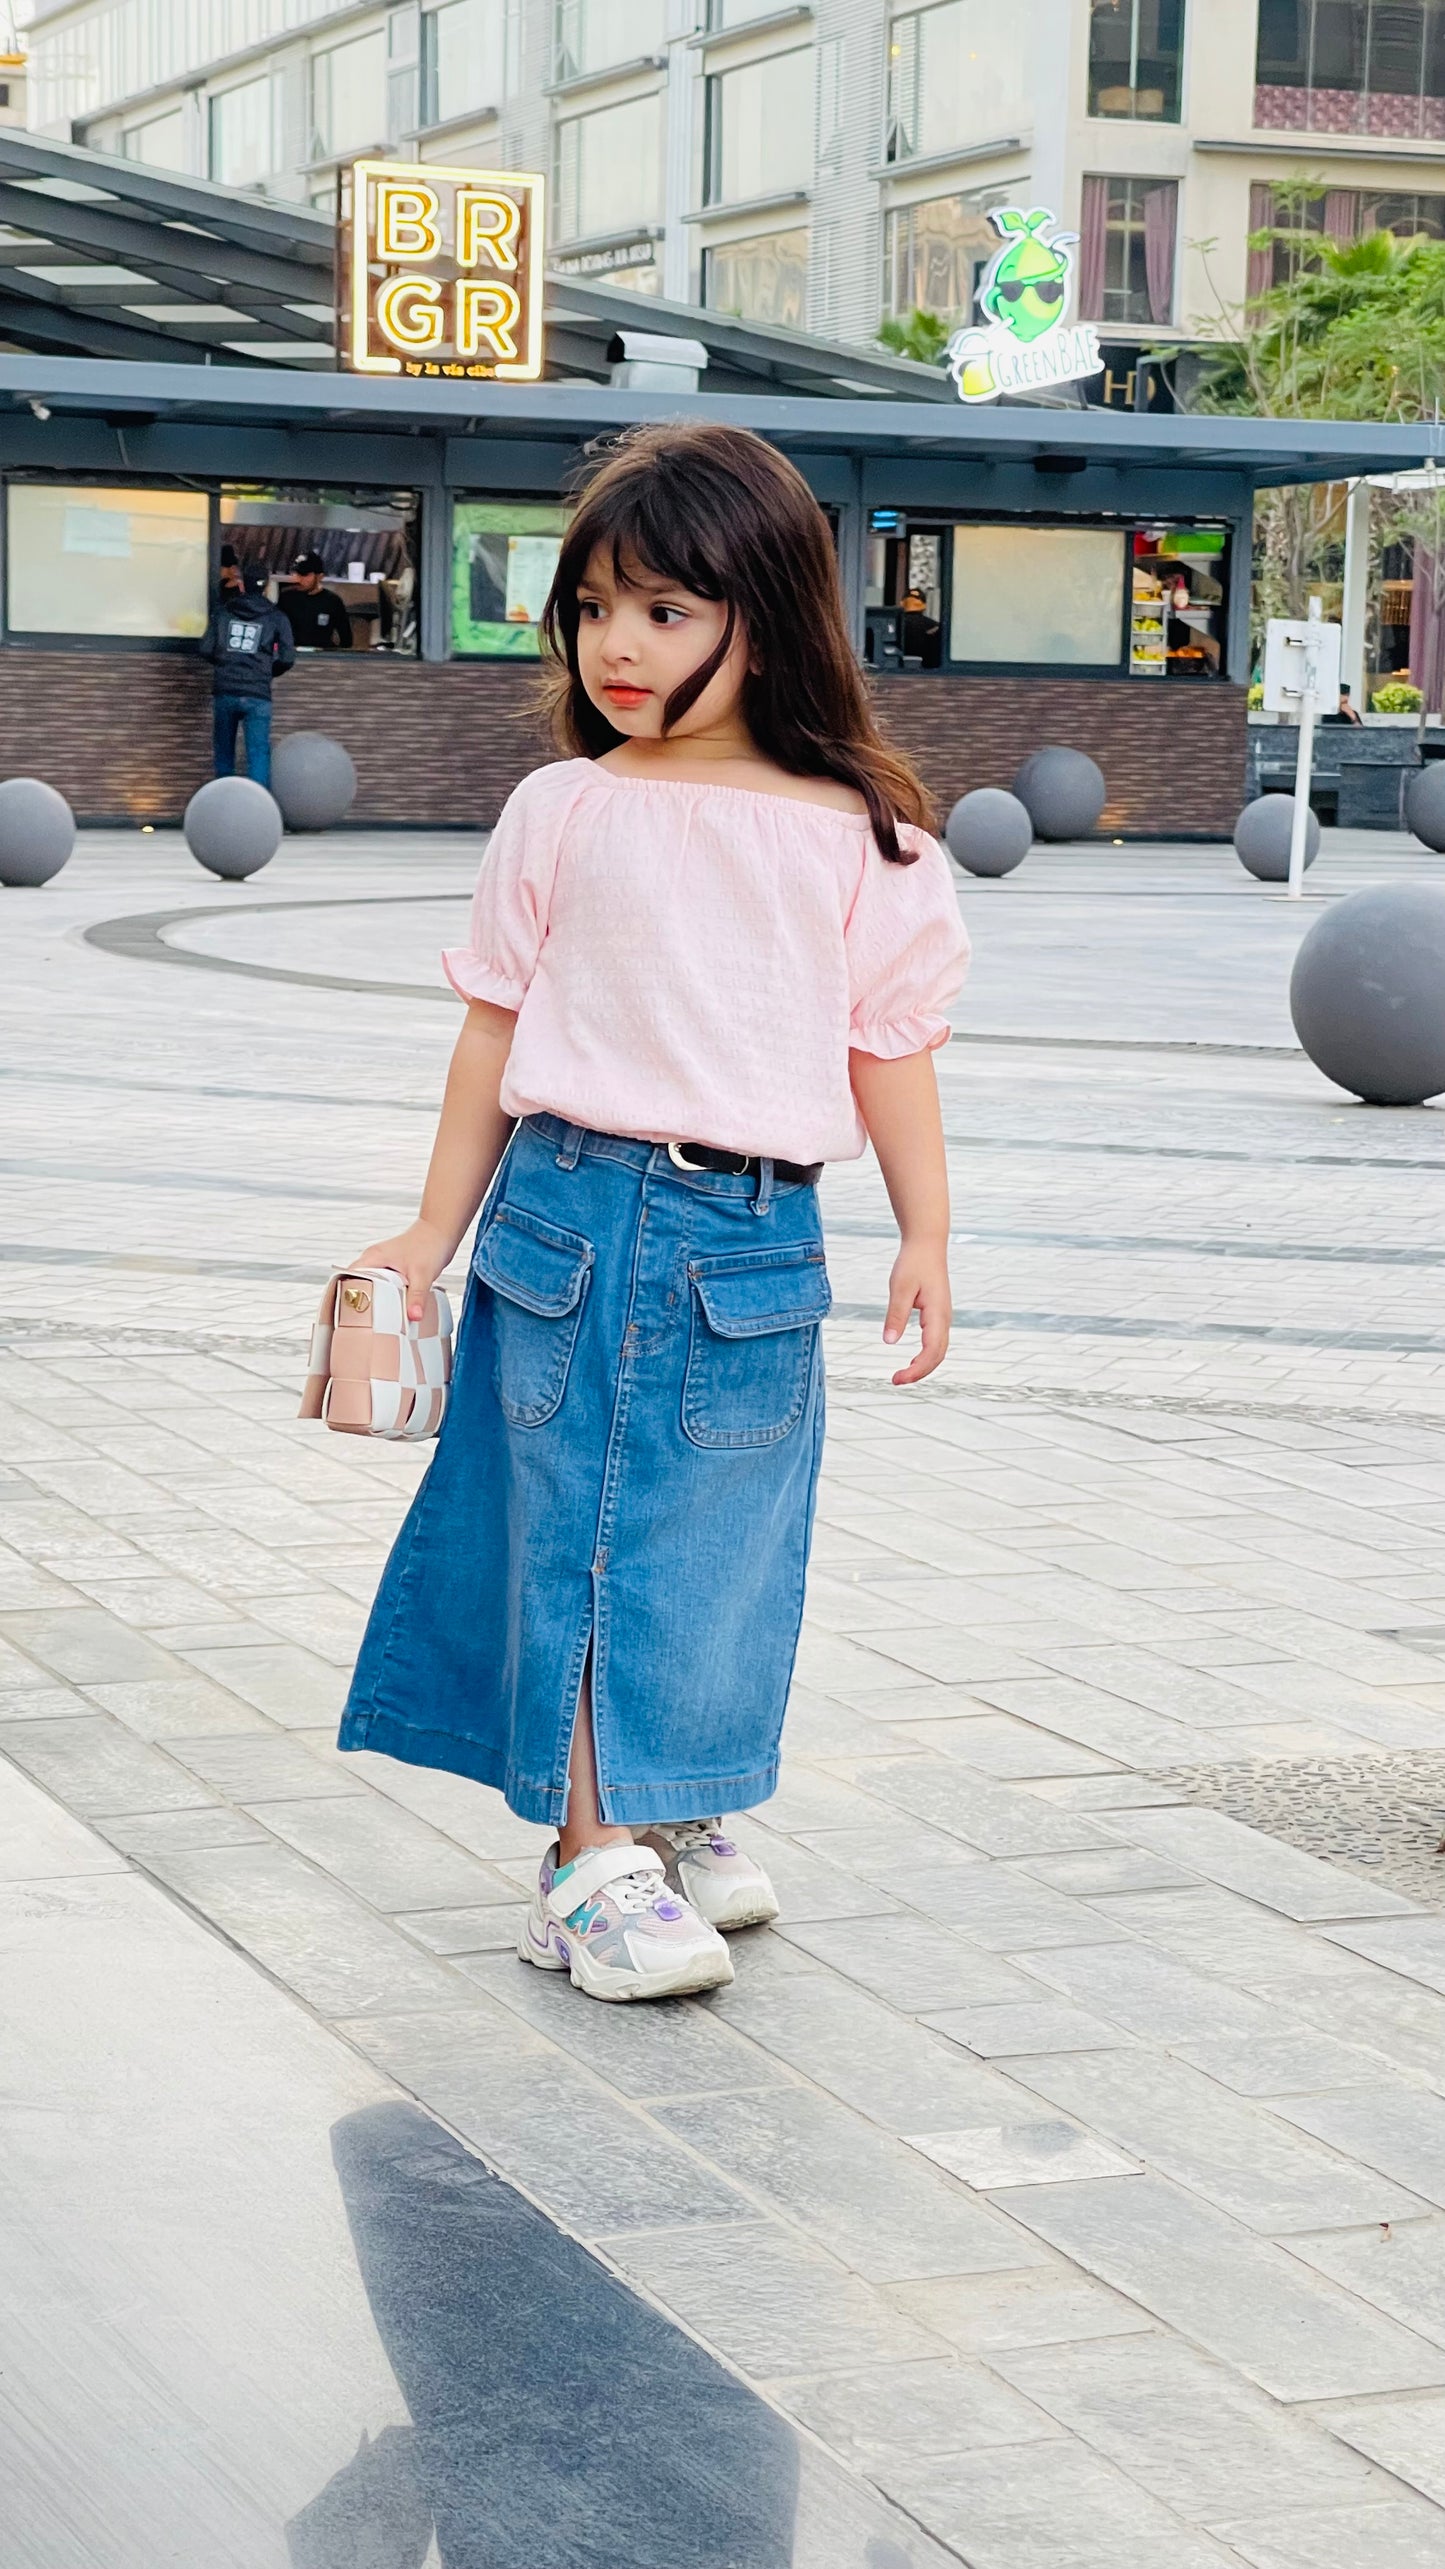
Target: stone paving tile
(1047, 2306)
(913, 2412)
(1046, 2506)
(865, 2197)
(909, 1962)
(1414, 1947)
(770, 2301)
(1040, 2025)
(1036, 2153)
(85, 1645)
(595, 2163)
(39, 1841)
(1399, 2130)
(144, 1834)
(308, 1932)
(287, 1684)
(862, 2052)
(641, 2051)
(1402, 2273)
(97, 1768)
(1405, 2535)
(1242, 2299)
(1188, 2430)
(1232, 2153)
(387, 1856)
(1406, 2436)
(168, 1708)
(264, 1765)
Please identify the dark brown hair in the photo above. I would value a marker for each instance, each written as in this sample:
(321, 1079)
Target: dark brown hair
(727, 517)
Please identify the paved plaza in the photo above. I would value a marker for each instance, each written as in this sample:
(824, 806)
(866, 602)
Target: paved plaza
(1061, 2185)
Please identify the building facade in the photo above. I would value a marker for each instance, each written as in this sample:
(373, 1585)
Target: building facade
(819, 164)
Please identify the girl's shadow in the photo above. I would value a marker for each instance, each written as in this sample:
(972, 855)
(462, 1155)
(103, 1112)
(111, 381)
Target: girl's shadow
(555, 2417)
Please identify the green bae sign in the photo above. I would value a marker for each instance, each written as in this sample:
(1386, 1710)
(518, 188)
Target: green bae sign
(1022, 344)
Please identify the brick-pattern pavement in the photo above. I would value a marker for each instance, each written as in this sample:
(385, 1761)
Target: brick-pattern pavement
(1069, 2159)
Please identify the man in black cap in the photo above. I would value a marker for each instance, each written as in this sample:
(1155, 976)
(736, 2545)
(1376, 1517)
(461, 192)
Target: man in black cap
(248, 643)
(317, 616)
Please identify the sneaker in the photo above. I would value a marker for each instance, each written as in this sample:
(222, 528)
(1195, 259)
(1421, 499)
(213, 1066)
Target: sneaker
(722, 1884)
(610, 1920)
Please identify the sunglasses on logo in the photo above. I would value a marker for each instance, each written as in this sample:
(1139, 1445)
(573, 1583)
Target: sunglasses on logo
(1048, 291)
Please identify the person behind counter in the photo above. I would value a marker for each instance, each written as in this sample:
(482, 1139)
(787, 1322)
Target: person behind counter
(317, 616)
(1345, 711)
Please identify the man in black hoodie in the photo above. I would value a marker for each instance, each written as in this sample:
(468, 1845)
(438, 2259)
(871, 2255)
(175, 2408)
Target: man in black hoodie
(248, 643)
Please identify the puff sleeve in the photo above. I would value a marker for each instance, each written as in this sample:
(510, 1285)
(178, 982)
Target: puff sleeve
(513, 897)
(907, 953)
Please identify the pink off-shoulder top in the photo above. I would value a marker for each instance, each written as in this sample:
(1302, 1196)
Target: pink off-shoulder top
(693, 963)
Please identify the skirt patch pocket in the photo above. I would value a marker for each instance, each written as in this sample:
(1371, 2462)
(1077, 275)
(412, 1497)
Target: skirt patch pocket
(753, 1345)
(538, 1275)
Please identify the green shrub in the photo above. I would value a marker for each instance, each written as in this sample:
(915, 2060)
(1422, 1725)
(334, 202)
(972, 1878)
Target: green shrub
(1256, 696)
(1396, 698)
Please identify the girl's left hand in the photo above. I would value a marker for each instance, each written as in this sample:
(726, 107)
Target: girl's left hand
(919, 1282)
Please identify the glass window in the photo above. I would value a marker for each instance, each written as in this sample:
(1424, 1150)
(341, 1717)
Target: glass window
(86, 560)
(1136, 53)
(762, 279)
(609, 169)
(463, 58)
(504, 553)
(1126, 262)
(240, 134)
(1038, 596)
(1177, 605)
(593, 33)
(367, 541)
(161, 143)
(959, 74)
(348, 97)
(760, 129)
(934, 253)
(1352, 66)
(736, 13)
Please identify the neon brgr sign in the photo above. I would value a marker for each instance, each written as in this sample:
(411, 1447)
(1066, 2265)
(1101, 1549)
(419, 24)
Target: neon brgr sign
(1022, 343)
(441, 272)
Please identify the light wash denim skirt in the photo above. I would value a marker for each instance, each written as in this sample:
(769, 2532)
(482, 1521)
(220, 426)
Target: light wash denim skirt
(627, 1467)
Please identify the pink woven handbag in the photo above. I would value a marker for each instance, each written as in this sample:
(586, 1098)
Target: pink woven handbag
(373, 1372)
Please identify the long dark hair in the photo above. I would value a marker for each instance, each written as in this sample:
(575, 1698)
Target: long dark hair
(725, 515)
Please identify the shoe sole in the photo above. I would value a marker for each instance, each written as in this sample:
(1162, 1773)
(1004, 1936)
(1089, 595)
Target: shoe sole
(761, 1914)
(707, 1971)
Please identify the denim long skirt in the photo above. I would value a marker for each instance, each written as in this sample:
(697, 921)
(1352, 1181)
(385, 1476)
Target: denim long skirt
(627, 1468)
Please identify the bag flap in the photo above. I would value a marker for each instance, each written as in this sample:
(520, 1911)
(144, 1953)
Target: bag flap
(532, 1262)
(754, 1296)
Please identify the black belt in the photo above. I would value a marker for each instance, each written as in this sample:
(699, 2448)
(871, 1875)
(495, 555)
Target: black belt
(701, 1155)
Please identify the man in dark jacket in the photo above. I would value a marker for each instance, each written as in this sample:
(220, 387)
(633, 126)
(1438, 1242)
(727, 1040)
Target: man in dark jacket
(318, 616)
(248, 643)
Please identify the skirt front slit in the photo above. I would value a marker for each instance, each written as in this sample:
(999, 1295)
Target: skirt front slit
(628, 1465)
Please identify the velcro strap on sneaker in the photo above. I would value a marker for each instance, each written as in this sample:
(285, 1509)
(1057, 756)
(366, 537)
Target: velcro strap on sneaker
(593, 1871)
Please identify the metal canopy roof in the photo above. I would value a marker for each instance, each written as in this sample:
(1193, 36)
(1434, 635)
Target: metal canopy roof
(102, 257)
(1261, 451)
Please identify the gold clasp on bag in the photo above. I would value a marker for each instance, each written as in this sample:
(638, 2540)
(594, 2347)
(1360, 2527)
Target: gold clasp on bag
(356, 1297)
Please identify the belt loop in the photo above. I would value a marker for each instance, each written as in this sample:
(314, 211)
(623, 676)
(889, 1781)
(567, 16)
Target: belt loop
(763, 1200)
(569, 1150)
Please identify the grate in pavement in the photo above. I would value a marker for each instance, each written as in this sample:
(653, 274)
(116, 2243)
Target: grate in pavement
(1383, 1815)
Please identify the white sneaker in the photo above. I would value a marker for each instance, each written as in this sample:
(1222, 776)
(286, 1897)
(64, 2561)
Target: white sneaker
(610, 1920)
(721, 1883)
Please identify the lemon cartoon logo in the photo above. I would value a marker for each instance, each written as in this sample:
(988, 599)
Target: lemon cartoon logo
(1022, 342)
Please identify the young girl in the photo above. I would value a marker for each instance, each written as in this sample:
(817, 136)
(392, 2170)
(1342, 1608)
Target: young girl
(710, 950)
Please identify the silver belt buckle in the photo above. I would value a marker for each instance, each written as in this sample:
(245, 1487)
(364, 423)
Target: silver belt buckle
(675, 1151)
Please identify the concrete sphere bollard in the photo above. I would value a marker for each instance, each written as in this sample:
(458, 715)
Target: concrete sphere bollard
(1367, 994)
(1062, 791)
(37, 831)
(233, 827)
(1262, 836)
(1425, 805)
(988, 831)
(313, 780)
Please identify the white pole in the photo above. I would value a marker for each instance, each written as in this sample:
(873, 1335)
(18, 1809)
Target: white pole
(1305, 760)
(1356, 592)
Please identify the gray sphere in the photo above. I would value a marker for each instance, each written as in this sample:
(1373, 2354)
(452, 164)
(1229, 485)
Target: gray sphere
(232, 827)
(1262, 836)
(313, 780)
(1062, 791)
(37, 831)
(988, 831)
(1367, 994)
(1425, 805)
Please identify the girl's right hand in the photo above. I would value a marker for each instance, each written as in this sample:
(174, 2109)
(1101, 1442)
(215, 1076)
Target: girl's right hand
(419, 1253)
